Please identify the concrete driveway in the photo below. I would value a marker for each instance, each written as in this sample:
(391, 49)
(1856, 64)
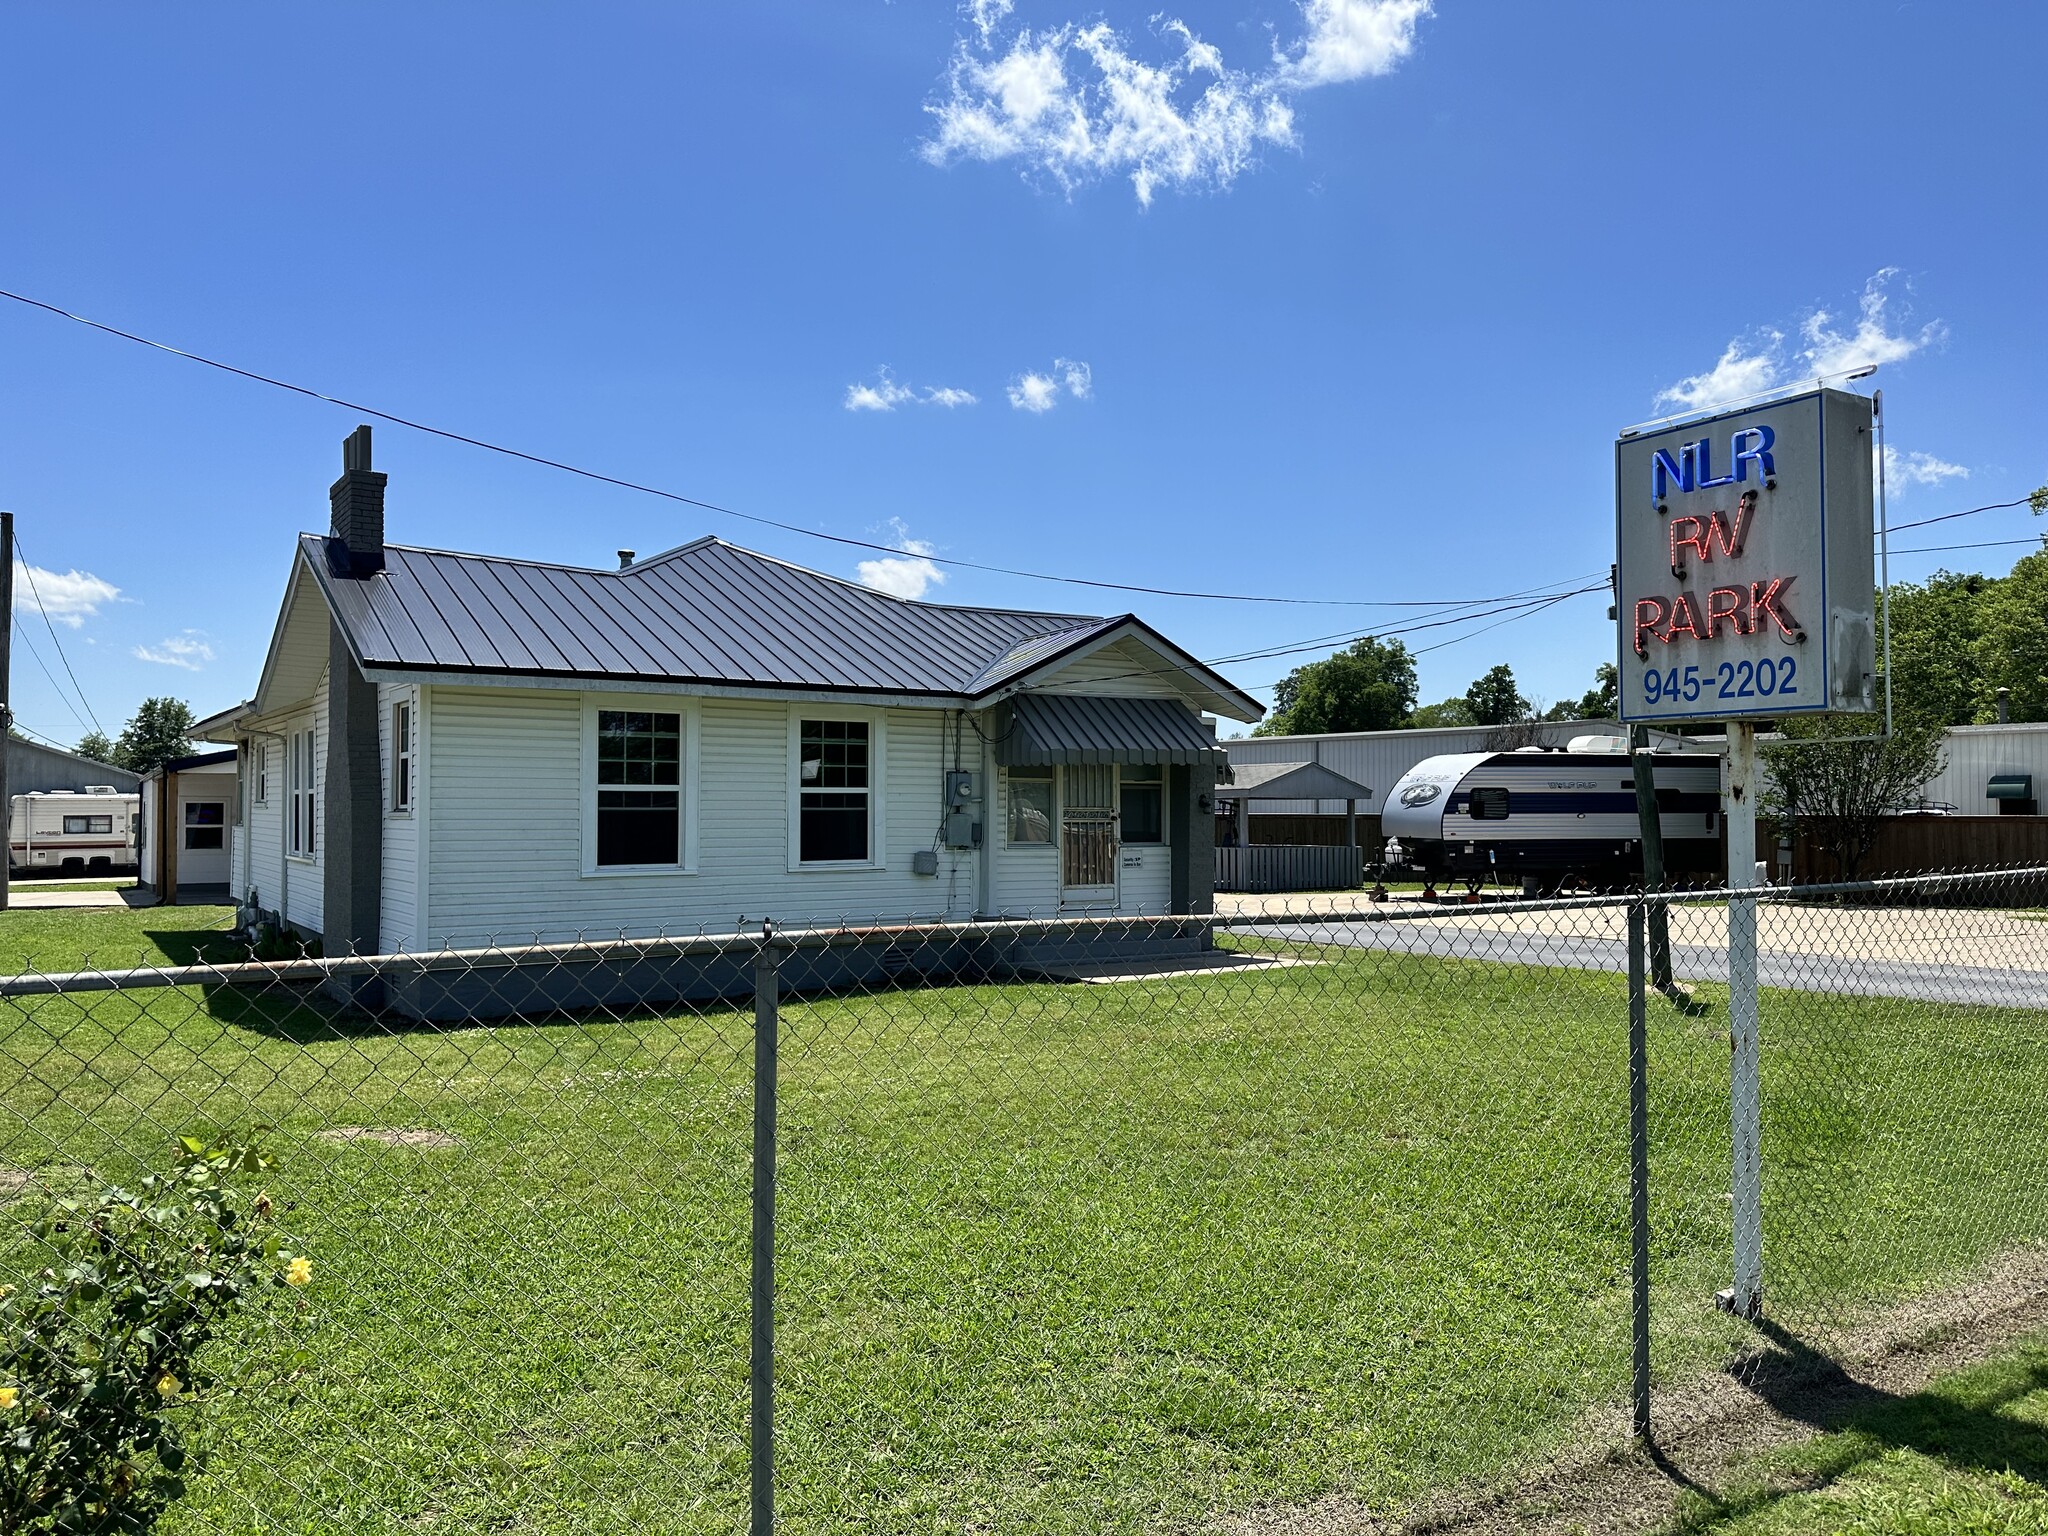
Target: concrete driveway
(1935, 954)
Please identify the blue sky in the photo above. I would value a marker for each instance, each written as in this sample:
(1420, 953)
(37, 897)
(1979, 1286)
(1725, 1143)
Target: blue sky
(1340, 300)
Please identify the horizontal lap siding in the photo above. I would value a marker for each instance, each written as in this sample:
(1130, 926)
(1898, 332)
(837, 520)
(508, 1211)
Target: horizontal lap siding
(1026, 878)
(397, 917)
(504, 781)
(1120, 670)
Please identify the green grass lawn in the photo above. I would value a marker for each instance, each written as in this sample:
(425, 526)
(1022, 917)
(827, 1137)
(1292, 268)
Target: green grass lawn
(1051, 1258)
(1966, 1457)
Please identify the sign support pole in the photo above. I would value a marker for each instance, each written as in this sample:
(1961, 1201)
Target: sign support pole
(1745, 1297)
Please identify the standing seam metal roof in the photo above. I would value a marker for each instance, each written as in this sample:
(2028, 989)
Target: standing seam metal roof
(708, 612)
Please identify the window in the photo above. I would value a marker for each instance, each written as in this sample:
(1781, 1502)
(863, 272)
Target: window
(401, 757)
(1489, 805)
(1031, 805)
(299, 771)
(1142, 804)
(81, 826)
(206, 824)
(639, 788)
(833, 787)
(263, 774)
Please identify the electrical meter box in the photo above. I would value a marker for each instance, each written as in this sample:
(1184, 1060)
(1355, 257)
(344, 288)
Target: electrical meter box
(962, 787)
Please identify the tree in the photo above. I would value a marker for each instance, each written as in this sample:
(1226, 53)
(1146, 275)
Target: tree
(94, 744)
(1600, 702)
(1450, 712)
(1495, 700)
(1370, 686)
(2011, 648)
(1937, 675)
(160, 731)
(1833, 781)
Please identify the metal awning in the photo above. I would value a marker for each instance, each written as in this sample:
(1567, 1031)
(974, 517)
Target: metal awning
(2010, 786)
(1038, 730)
(1290, 781)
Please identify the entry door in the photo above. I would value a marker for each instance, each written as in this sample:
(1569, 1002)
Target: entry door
(1088, 841)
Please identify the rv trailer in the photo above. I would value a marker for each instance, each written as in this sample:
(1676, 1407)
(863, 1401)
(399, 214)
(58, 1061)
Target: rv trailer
(69, 831)
(1545, 819)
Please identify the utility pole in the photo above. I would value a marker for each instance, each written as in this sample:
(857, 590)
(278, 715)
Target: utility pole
(6, 692)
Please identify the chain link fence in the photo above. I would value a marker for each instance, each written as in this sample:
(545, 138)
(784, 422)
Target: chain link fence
(1076, 1225)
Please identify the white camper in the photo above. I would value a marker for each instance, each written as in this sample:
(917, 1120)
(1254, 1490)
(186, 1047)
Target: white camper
(1547, 818)
(72, 832)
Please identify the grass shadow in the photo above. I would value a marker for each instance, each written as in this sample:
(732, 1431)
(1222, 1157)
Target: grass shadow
(1962, 1425)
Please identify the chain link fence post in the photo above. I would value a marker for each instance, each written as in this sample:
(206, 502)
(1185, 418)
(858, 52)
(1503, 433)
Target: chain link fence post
(1638, 1175)
(1745, 1298)
(761, 1302)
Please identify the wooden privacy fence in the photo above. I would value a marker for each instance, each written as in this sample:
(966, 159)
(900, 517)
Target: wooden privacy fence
(1284, 867)
(1911, 845)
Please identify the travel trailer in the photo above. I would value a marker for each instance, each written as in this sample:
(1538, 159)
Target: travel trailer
(72, 832)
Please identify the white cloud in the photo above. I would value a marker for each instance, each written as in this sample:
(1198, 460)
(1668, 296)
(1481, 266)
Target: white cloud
(906, 575)
(68, 597)
(1075, 103)
(885, 394)
(188, 650)
(1040, 392)
(1751, 366)
(1902, 470)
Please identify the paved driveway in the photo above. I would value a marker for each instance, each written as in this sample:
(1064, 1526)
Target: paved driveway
(1948, 955)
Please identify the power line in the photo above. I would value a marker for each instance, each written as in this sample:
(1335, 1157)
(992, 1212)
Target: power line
(1949, 517)
(1940, 549)
(54, 688)
(30, 571)
(692, 501)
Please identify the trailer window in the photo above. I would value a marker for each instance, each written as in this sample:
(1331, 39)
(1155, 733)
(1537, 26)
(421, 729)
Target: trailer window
(1489, 805)
(79, 826)
(206, 824)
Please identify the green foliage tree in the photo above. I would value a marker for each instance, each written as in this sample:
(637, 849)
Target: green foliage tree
(160, 731)
(1449, 712)
(2011, 646)
(1495, 700)
(1833, 781)
(1369, 686)
(1937, 677)
(104, 1361)
(95, 745)
(1602, 701)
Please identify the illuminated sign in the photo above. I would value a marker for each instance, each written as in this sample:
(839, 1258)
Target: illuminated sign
(1744, 573)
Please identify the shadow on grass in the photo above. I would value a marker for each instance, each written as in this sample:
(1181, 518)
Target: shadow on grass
(1963, 1427)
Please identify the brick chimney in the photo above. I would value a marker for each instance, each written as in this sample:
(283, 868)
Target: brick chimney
(356, 540)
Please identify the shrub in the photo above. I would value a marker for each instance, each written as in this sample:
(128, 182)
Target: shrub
(101, 1368)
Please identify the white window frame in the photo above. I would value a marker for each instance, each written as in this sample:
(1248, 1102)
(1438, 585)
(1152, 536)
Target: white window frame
(878, 787)
(404, 754)
(258, 755)
(303, 782)
(1165, 783)
(187, 828)
(690, 723)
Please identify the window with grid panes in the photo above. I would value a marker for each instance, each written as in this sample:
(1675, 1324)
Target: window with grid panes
(833, 789)
(639, 787)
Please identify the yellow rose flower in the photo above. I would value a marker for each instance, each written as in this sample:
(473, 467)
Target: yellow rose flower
(300, 1271)
(168, 1386)
(9, 1396)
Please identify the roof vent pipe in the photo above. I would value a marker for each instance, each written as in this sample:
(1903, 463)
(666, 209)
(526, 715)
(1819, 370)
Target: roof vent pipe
(625, 558)
(2004, 706)
(356, 541)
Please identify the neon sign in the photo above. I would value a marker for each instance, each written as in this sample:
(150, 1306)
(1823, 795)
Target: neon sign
(1693, 466)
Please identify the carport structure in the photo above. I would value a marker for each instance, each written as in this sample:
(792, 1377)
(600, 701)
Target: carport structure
(1289, 868)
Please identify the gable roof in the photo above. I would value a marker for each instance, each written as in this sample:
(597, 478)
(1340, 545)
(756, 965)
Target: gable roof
(709, 612)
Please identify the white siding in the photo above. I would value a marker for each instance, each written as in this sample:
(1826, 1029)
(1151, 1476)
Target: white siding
(1125, 670)
(1974, 753)
(1145, 877)
(398, 925)
(504, 786)
(208, 866)
(1026, 878)
(260, 847)
(293, 886)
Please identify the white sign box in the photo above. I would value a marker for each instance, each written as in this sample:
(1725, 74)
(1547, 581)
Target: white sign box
(1744, 568)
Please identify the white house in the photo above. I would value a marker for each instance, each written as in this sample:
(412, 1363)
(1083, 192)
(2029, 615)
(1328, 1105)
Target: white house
(453, 750)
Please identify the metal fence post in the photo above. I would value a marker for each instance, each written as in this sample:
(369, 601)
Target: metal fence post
(1745, 1098)
(761, 1301)
(1638, 1176)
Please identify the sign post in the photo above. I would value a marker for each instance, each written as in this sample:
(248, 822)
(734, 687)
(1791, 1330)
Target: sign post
(1744, 592)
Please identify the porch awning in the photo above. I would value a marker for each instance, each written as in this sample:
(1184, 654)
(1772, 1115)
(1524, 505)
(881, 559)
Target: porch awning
(1038, 730)
(2010, 786)
(1290, 781)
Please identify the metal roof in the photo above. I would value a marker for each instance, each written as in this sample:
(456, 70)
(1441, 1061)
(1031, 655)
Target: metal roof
(709, 612)
(1290, 781)
(1041, 729)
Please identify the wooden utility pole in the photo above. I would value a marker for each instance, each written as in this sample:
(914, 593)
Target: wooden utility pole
(6, 692)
